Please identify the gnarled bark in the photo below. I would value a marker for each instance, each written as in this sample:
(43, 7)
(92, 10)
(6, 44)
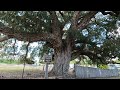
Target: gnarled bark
(62, 60)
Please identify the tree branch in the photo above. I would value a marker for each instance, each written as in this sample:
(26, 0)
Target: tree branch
(112, 13)
(86, 42)
(90, 54)
(56, 29)
(61, 14)
(4, 38)
(55, 21)
(65, 21)
(32, 37)
(84, 22)
(74, 20)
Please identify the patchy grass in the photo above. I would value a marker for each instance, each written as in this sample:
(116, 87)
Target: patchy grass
(9, 61)
(13, 71)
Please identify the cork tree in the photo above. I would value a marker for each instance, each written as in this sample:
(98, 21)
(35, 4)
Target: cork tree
(69, 33)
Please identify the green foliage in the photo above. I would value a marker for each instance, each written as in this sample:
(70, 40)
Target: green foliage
(27, 60)
(72, 62)
(27, 21)
(117, 61)
(9, 61)
(102, 66)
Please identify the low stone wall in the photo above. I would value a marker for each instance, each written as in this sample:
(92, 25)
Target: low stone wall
(90, 72)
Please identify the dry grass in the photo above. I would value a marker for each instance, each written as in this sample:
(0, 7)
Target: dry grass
(12, 71)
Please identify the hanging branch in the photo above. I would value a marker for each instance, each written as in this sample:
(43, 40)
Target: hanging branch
(25, 57)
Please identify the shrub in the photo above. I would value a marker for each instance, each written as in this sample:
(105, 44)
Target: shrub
(9, 61)
(103, 66)
(27, 60)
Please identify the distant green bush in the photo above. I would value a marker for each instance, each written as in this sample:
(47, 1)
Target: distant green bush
(27, 60)
(9, 61)
(102, 66)
(72, 62)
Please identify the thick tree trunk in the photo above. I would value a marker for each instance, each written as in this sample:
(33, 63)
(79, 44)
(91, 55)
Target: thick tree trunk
(62, 60)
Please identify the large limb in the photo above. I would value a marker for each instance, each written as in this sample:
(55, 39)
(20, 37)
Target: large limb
(93, 56)
(64, 19)
(34, 37)
(79, 22)
(85, 20)
(25, 36)
(56, 28)
(55, 22)
(74, 20)
(79, 25)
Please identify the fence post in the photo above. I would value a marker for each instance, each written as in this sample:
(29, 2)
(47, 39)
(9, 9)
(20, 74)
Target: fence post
(46, 71)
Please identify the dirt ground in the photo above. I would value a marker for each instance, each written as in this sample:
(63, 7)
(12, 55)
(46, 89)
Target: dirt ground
(12, 71)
